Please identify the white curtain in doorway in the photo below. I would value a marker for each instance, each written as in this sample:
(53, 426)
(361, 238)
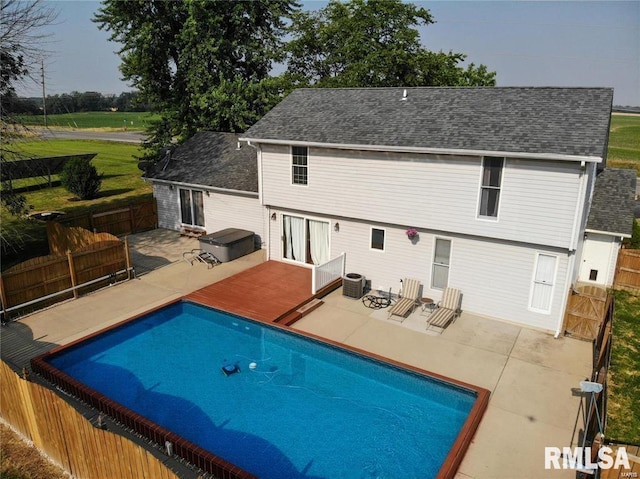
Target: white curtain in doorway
(319, 241)
(294, 238)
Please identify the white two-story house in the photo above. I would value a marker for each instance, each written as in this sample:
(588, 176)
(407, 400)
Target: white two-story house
(496, 181)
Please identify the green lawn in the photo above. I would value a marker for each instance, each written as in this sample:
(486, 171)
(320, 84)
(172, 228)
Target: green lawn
(121, 184)
(623, 423)
(95, 120)
(624, 142)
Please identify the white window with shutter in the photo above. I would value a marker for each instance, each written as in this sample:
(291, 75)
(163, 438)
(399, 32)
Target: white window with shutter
(544, 277)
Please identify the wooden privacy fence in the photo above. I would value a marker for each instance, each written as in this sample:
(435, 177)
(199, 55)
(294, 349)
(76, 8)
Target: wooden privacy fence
(84, 262)
(633, 454)
(596, 412)
(586, 307)
(139, 216)
(70, 440)
(628, 270)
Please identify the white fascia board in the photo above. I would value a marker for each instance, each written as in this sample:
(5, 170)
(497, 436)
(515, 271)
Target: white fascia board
(607, 233)
(434, 151)
(205, 188)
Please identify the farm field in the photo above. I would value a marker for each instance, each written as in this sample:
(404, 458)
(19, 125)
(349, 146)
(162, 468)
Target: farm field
(624, 142)
(624, 382)
(121, 183)
(100, 120)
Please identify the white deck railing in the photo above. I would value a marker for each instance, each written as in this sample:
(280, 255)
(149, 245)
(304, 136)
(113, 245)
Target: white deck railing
(324, 274)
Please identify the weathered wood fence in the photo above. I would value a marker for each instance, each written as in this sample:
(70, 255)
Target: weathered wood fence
(82, 262)
(633, 453)
(69, 439)
(586, 308)
(134, 218)
(596, 410)
(628, 270)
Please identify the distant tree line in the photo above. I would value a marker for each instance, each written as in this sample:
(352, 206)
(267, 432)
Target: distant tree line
(74, 102)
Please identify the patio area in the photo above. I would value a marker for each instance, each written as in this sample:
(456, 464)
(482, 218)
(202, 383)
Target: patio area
(530, 374)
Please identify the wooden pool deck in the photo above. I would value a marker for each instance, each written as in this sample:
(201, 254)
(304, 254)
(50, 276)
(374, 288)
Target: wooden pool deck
(272, 292)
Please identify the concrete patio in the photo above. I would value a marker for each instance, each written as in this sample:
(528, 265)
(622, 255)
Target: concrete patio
(529, 373)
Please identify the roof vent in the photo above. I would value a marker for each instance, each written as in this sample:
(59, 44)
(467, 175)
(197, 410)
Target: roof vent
(404, 95)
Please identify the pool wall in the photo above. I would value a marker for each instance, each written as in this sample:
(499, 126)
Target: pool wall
(208, 461)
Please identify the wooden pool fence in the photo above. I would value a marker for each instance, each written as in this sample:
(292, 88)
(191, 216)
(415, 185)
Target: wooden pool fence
(68, 438)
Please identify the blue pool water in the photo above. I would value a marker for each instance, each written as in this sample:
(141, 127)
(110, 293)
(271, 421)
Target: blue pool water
(302, 409)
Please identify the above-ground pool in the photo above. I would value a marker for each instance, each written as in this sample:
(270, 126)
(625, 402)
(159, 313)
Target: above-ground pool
(275, 403)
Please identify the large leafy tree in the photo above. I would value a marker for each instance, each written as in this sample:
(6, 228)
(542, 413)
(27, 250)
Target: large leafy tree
(202, 64)
(21, 50)
(372, 43)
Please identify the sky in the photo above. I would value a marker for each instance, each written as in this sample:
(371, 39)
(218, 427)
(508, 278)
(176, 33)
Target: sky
(543, 43)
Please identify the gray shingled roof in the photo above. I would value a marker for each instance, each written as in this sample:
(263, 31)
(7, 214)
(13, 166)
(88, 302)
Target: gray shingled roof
(613, 202)
(564, 121)
(211, 159)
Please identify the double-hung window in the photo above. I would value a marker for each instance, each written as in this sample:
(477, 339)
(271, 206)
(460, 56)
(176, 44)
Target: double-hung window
(490, 187)
(299, 165)
(191, 207)
(441, 262)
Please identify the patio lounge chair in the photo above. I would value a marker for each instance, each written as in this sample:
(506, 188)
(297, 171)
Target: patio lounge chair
(409, 299)
(201, 257)
(447, 309)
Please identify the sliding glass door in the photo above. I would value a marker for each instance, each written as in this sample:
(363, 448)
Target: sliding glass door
(191, 207)
(305, 240)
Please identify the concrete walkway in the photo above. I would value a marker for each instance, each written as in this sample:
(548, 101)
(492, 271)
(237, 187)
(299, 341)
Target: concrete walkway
(530, 374)
(161, 276)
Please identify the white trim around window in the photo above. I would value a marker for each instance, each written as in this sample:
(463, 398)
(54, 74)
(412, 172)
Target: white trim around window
(191, 206)
(306, 240)
(543, 282)
(490, 188)
(299, 165)
(377, 240)
(441, 262)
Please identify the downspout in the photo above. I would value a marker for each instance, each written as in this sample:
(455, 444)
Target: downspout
(260, 197)
(579, 209)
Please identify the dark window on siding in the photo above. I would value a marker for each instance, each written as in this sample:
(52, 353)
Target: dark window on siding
(377, 239)
(490, 189)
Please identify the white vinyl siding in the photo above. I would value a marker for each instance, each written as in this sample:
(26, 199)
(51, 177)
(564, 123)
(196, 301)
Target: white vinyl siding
(543, 282)
(600, 253)
(494, 277)
(437, 192)
(221, 211)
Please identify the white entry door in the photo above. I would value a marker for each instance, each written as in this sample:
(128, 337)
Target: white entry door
(543, 283)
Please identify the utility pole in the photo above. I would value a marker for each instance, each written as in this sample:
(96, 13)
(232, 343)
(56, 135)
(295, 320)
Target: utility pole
(44, 98)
